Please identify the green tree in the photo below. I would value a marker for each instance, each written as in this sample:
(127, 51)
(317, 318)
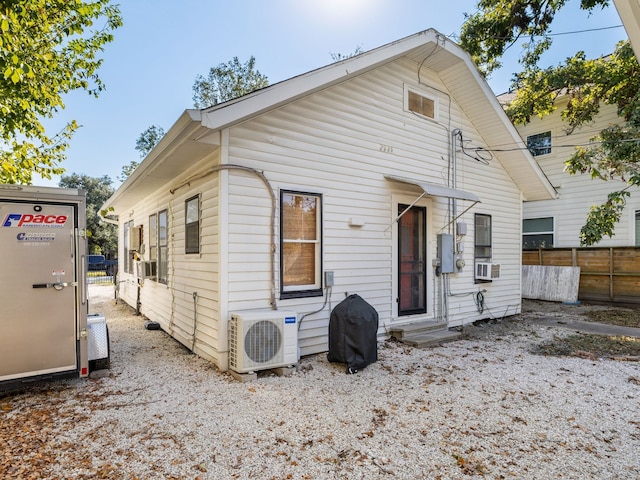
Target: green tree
(128, 170)
(102, 237)
(499, 24)
(144, 144)
(615, 80)
(226, 82)
(47, 49)
(149, 139)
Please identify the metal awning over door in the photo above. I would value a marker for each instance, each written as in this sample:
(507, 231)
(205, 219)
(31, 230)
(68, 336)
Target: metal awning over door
(433, 190)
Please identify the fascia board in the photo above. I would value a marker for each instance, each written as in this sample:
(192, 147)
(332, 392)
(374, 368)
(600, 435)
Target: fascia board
(271, 97)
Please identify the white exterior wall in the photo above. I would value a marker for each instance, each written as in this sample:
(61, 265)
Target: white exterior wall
(173, 305)
(577, 192)
(339, 143)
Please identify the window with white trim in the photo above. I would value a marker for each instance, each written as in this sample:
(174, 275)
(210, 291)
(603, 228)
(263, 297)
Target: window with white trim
(300, 244)
(482, 237)
(539, 144)
(153, 247)
(128, 261)
(637, 228)
(192, 225)
(163, 246)
(158, 247)
(537, 232)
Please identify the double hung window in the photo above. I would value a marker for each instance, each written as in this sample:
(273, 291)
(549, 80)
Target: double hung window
(482, 237)
(537, 232)
(158, 246)
(192, 225)
(300, 244)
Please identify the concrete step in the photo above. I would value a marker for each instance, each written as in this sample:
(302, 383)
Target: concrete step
(417, 328)
(431, 339)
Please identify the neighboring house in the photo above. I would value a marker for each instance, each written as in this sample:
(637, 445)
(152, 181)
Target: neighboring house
(629, 11)
(557, 223)
(349, 179)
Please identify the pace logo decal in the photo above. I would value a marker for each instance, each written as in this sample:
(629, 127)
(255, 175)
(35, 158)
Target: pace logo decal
(29, 220)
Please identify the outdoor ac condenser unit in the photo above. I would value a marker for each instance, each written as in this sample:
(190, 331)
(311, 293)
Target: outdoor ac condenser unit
(259, 340)
(487, 271)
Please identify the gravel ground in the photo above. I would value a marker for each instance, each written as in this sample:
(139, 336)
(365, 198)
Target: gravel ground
(482, 407)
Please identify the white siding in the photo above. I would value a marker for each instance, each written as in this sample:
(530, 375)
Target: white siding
(190, 275)
(339, 143)
(577, 192)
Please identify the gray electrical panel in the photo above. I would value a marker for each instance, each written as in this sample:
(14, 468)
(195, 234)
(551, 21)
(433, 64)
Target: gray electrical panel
(445, 253)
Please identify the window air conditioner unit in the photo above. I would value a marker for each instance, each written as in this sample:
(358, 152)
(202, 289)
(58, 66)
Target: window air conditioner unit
(259, 340)
(487, 271)
(147, 269)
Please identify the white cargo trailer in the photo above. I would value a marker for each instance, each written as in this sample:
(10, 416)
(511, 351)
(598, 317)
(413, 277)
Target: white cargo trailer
(44, 327)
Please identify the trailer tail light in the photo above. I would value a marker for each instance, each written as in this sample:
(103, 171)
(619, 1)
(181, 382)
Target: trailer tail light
(84, 371)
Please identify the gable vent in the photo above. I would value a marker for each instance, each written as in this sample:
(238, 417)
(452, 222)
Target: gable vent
(421, 105)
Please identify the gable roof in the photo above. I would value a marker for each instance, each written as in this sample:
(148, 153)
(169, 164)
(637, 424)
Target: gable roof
(198, 132)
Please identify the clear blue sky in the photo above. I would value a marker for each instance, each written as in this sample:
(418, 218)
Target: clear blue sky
(151, 66)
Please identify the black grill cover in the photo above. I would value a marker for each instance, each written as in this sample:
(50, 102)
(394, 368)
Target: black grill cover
(353, 328)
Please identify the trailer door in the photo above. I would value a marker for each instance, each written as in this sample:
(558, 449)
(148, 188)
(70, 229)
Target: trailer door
(38, 288)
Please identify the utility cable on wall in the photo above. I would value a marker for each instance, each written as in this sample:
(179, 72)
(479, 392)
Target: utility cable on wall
(265, 181)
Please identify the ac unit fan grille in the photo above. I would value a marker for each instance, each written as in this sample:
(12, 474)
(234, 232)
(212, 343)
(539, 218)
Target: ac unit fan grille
(262, 341)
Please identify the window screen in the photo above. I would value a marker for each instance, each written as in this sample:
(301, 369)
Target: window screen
(192, 225)
(301, 245)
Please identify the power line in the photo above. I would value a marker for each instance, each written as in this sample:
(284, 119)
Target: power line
(579, 31)
(574, 32)
(576, 145)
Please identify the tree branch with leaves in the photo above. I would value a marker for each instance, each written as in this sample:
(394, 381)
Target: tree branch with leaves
(586, 85)
(47, 49)
(227, 81)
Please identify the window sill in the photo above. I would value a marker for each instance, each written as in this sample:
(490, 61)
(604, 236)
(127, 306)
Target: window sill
(301, 294)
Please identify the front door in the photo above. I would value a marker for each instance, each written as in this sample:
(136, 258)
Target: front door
(412, 275)
(38, 295)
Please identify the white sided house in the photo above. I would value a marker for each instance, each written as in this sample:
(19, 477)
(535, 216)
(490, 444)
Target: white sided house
(557, 223)
(370, 176)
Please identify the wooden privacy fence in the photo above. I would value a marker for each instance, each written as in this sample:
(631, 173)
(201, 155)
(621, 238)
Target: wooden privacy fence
(610, 274)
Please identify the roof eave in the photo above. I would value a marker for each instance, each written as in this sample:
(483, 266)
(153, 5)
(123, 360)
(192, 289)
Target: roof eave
(187, 127)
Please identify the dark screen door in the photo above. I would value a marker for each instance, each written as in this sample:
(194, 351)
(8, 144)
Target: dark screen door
(412, 276)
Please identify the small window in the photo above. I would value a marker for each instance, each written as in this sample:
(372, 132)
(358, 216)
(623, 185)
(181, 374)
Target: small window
(419, 103)
(637, 228)
(192, 225)
(539, 144)
(158, 247)
(300, 244)
(537, 233)
(482, 238)
(153, 247)
(163, 259)
(128, 261)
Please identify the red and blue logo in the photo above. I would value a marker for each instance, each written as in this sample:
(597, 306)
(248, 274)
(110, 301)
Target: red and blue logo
(29, 220)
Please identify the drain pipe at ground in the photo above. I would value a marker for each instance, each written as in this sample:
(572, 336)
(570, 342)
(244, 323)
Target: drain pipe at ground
(195, 321)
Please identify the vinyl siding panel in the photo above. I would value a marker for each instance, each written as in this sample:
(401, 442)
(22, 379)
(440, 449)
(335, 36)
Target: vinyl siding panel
(339, 143)
(578, 193)
(192, 321)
